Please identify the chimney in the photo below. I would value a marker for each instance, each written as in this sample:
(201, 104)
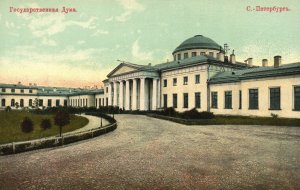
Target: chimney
(220, 56)
(264, 62)
(232, 58)
(19, 83)
(277, 61)
(249, 61)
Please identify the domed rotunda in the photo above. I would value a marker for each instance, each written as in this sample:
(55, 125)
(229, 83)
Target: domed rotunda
(195, 46)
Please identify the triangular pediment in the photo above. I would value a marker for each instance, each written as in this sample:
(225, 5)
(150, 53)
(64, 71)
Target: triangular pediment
(123, 68)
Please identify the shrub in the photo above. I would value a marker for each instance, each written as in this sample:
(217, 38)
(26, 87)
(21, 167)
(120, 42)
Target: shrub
(169, 112)
(275, 116)
(46, 124)
(27, 125)
(8, 109)
(194, 114)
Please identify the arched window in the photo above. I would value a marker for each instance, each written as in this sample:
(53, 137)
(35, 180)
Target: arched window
(3, 102)
(21, 103)
(12, 103)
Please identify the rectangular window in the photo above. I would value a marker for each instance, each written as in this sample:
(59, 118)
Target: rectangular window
(297, 97)
(275, 98)
(194, 54)
(106, 89)
(197, 79)
(211, 54)
(178, 56)
(174, 100)
(185, 80)
(165, 83)
(185, 100)
(228, 100)
(106, 101)
(3, 90)
(41, 102)
(240, 99)
(49, 103)
(30, 91)
(202, 53)
(197, 100)
(65, 103)
(13, 90)
(22, 90)
(185, 55)
(214, 99)
(174, 81)
(165, 100)
(253, 98)
(30, 103)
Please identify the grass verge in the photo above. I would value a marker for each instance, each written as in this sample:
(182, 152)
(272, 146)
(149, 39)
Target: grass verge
(10, 130)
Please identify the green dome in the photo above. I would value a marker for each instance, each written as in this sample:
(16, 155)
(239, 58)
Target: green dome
(197, 42)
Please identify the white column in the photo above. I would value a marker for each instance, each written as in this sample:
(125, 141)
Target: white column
(121, 95)
(134, 94)
(115, 103)
(109, 94)
(154, 94)
(127, 96)
(158, 93)
(142, 94)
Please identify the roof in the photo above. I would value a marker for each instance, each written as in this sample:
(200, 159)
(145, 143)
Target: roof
(198, 42)
(52, 91)
(197, 60)
(257, 72)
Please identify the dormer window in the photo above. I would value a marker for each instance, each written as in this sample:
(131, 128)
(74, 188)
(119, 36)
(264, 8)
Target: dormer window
(185, 55)
(179, 56)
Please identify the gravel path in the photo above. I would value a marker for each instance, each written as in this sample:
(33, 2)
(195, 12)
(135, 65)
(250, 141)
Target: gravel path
(148, 153)
(94, 122)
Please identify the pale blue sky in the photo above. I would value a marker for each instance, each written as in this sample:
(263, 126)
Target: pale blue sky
(80, 49)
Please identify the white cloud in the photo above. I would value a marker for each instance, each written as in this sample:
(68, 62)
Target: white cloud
(48, 42)
(129, 6)
(138, 54)
(50, 24)
(100, 32)
(9, 25)
(81, 42)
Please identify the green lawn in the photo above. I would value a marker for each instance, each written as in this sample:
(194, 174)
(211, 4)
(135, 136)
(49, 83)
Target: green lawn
(10, 130)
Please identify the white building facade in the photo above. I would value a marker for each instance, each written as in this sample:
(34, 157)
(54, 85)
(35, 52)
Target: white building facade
(201, 76)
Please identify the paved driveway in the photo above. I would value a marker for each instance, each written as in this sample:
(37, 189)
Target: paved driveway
(147, 153)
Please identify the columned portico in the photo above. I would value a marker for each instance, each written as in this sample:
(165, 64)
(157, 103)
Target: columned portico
(133, 88)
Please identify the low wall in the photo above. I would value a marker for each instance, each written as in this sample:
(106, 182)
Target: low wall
(17, 147)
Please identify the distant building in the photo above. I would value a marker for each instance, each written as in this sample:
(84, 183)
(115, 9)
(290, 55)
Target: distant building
(201, 76)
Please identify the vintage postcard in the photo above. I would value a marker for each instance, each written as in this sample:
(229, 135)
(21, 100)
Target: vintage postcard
(149, 94)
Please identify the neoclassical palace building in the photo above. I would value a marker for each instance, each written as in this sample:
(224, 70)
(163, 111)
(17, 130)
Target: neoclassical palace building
(201, 76)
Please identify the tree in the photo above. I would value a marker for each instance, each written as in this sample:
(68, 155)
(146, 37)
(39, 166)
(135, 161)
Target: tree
(46, 124)
(35, 103)
(61, 119)
(27, 125)
(17, 105)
